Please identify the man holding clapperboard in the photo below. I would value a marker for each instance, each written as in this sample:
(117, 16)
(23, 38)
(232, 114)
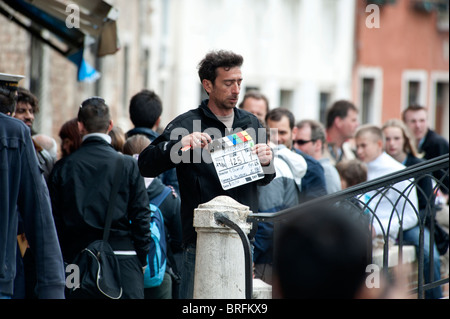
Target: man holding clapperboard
(217, 149)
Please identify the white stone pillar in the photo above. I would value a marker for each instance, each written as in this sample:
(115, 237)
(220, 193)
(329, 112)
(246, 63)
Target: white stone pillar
(220, 261)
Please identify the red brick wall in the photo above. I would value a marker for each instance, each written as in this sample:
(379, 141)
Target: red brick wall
(406, 39)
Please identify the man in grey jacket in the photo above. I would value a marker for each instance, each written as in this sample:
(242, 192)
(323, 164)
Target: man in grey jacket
(283, 192)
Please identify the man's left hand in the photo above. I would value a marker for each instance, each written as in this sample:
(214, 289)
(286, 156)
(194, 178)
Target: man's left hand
(264, 153)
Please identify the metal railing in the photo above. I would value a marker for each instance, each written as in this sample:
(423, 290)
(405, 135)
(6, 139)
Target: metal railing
(381, 191)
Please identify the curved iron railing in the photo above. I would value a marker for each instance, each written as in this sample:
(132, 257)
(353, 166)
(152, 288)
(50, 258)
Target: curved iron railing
(399, 191)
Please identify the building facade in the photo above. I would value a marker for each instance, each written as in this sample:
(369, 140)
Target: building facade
(402, 58)
(297, 52)
(303, 54)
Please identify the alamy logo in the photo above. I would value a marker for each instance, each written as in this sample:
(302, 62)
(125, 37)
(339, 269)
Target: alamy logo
(73, 18)
(373, 276)
(73, 278)
(373, 19)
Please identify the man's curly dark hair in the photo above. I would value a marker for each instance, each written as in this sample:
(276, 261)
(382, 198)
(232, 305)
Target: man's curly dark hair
(216, 59)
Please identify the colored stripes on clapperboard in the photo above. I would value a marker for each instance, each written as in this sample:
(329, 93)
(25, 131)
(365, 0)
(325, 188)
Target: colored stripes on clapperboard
(229, 141)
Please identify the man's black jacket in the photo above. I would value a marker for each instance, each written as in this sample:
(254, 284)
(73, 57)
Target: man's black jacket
(80, 187)
(196, 173)
(433, 146)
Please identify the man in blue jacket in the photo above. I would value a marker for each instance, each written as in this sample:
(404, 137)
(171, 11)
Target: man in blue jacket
(22, 188)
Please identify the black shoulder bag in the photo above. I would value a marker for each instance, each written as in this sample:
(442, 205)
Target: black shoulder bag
(98, 265)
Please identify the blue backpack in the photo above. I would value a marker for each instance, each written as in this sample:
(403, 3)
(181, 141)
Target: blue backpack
(156, 258)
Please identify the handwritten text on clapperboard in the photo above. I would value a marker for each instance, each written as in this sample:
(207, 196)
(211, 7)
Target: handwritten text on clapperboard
(234, 161)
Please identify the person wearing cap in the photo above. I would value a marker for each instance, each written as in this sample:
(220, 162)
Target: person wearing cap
(8, 92)
(22, 188)
(26, 106)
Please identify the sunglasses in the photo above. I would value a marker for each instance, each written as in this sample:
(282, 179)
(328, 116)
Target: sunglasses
(302, 142)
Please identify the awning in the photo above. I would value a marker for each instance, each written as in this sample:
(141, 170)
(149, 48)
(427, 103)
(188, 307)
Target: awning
(69, 27)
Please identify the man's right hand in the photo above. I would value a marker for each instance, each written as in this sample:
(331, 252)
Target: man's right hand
(196, 140)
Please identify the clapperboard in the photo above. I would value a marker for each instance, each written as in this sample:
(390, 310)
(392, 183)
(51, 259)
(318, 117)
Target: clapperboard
(234, 161)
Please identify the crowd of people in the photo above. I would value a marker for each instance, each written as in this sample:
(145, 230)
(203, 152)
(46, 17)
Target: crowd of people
(54, 206)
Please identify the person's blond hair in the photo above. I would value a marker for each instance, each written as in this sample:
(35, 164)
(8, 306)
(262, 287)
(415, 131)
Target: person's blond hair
(409, 145)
